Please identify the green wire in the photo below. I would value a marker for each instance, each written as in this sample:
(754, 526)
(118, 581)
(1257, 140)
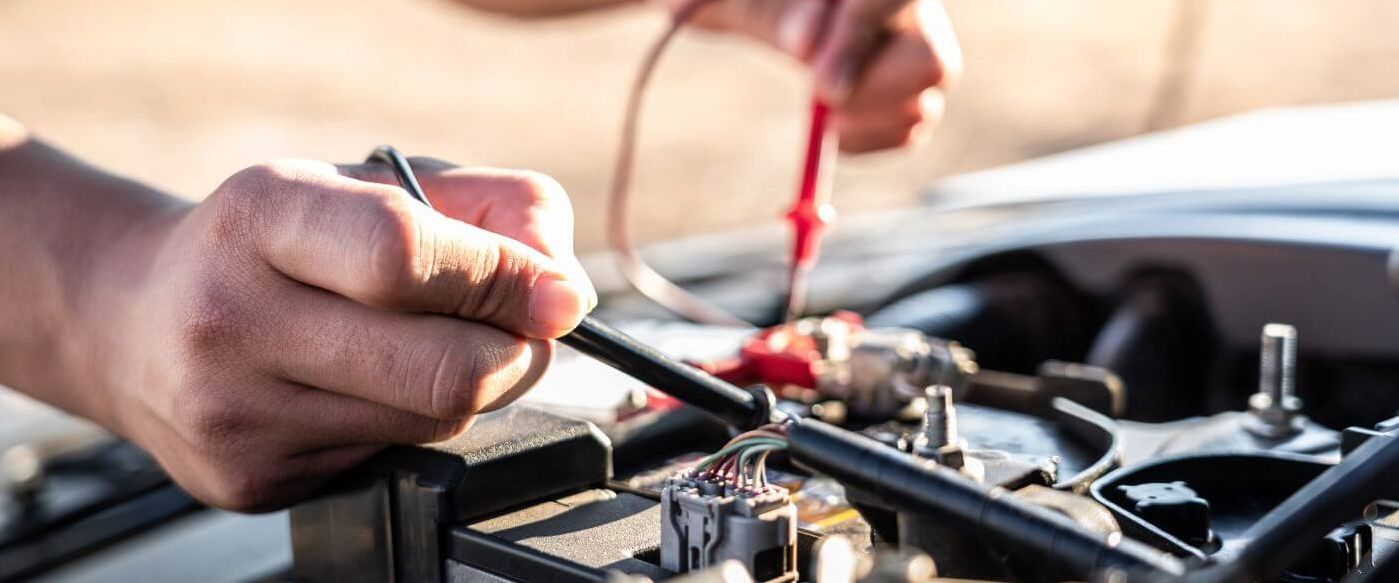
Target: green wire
(732, 447)
(755, 450)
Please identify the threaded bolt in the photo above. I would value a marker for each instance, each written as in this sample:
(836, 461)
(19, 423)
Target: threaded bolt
(940, 419)
(1275, 408)
(1277, 361)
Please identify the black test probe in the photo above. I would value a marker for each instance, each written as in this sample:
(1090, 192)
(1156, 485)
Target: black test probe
(745, 409)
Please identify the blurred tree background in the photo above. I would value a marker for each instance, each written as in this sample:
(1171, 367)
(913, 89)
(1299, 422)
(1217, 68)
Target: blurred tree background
(181, 93)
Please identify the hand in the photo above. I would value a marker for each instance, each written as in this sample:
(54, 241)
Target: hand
(882, 64)
(306, 315)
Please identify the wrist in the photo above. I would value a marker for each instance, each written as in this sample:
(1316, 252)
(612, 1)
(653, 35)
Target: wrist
(65, 227)
(99, 330)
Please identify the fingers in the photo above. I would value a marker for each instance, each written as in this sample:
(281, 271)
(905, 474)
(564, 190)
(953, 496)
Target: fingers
(874, 61)
(373, 244)
(431, 368)
(317, 419)
(889, 48)
(904, 69)
(529, 207)
(879, 128)
(859, 29)
(899, 95)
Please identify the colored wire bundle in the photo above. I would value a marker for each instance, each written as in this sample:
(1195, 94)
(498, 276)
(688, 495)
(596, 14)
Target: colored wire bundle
(743, 461)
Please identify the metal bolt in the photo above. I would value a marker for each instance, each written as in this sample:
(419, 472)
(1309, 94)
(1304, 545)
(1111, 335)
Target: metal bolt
(1277, 362)
(937, 439)
(940, 418)
(1275, 408)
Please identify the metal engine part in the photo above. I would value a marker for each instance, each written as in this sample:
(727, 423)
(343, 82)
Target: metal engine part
(877, 372)
(1275, 411)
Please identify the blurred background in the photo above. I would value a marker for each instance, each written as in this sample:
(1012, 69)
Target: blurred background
(181, 93)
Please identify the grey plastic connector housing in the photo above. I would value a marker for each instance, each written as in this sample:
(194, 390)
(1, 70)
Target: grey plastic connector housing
(704, 524)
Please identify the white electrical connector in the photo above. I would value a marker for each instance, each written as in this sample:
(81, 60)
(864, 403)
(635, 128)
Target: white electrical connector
(705, 522)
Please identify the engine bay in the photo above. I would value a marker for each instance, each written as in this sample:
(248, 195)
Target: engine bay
(1192, 387)
(1164, 435)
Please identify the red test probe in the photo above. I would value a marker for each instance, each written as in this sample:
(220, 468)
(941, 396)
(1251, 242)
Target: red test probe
(812, 212)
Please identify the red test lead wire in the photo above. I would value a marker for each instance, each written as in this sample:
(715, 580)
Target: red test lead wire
(812, 212)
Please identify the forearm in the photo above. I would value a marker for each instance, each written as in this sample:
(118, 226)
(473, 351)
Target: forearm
(57, 217)
(543, 8)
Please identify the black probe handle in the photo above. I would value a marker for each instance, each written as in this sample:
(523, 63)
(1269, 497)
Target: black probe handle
(711, 394)
(614, 348)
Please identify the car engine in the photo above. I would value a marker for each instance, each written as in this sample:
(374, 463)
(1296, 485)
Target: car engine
(1193, 386)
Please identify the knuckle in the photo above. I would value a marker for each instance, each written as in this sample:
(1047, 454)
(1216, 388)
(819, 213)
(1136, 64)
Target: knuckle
(253, 192)
(494, 285)
(259, 179)
(209, 420)
(540, 189)
(499, 295)
(393, 254)
(286, 170)
(213, 322)
(235, 205)
(255, 177)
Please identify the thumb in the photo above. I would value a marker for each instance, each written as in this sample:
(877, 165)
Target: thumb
(520, 289)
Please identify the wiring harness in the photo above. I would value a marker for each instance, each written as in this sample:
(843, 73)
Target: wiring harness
(723, 509)
(742, 463)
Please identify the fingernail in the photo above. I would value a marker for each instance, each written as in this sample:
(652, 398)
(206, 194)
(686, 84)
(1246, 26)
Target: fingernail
(589, 292)
(592, 299)
(796, 32)
(557, 305)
